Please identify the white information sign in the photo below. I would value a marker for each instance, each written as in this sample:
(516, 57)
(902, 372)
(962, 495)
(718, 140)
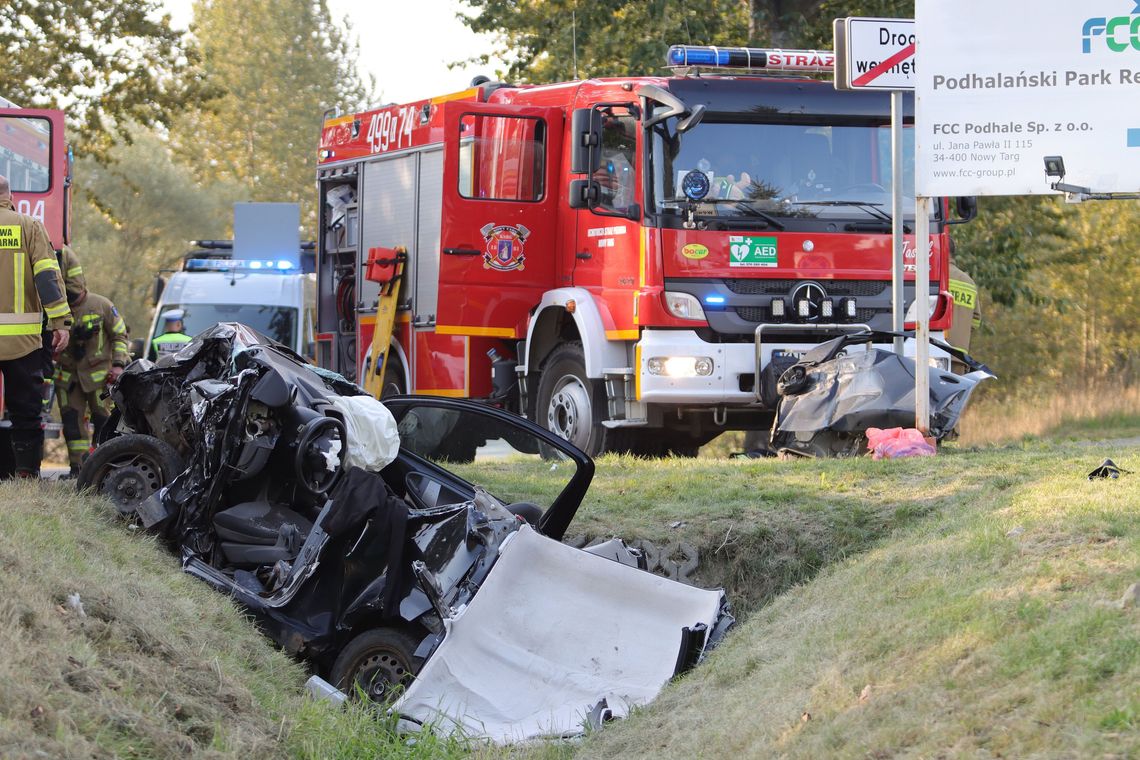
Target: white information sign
(874, 54)
(1004, 84)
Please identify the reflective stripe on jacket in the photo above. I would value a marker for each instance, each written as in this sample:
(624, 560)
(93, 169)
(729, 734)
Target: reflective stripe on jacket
(31, 284)
(98, 341)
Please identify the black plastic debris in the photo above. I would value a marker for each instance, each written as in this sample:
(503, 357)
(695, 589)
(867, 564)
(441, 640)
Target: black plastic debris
(1108, 469)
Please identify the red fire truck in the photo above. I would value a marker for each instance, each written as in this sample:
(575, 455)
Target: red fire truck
(35, 159)
(618, 259)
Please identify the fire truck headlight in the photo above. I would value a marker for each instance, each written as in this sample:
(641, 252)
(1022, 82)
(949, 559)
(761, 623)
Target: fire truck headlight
(779, 308)
(911, 312)
(684, 306)
(826, 308)
(681, 366)
(849, 308)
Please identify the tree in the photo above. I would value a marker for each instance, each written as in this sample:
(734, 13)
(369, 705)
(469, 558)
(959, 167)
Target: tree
(134, 215)
(542, 38)
(280, 65)
(107, 63)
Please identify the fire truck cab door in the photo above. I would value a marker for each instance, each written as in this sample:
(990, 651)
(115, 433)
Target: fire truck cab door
(500, 213)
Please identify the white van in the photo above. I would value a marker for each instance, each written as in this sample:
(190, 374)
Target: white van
(276, 298)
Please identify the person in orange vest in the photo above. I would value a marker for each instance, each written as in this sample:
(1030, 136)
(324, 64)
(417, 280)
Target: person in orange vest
(31, 286)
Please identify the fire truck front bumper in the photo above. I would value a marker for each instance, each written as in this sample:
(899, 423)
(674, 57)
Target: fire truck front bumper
(678, 367)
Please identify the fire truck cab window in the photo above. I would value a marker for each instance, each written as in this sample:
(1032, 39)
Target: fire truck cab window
(805, 173)
(615, 174)
(25, 153)
(502, 158)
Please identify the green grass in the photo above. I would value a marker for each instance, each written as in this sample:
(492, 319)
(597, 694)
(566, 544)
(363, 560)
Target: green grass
(989, 627)
(973, 593)
(158, 665)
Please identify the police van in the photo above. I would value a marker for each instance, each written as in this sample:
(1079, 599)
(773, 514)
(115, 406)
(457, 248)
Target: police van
(276, 297)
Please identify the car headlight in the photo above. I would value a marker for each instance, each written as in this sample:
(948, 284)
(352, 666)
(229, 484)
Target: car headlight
(684, 306)
(681, 366)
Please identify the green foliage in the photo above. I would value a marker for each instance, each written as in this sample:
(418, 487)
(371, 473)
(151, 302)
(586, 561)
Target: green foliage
(1079, 266)
(613, 37)
(134, 216)
(108, 63)
(279, 64)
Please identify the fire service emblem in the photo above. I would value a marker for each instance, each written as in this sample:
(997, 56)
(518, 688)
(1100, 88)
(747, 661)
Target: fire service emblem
(505, 243)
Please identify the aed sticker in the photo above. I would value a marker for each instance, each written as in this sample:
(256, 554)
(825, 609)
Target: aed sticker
(11, 236)
(694, 251)
(747, 251)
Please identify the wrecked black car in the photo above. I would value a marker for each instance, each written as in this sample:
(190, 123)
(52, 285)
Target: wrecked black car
(344, 526)
(835, 392)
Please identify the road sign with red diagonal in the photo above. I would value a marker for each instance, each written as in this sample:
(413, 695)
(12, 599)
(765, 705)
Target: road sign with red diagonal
(874, 54)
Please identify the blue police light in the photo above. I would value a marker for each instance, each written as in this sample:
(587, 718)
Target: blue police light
(282, 266)
(715, 300)
(768, 59)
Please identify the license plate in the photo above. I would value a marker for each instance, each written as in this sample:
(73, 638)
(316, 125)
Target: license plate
(783, 353)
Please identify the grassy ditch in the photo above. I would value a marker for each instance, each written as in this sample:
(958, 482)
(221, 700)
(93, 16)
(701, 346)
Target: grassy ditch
(762, 526)
(994, 626)
(155, 664)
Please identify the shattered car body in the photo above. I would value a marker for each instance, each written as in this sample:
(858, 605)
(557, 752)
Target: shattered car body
(368, 573)
(831, 396)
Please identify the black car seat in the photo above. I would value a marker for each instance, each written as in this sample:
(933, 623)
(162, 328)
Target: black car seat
(260, 533)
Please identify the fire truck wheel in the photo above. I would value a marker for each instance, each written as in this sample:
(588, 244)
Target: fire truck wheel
(393, 380)
(570, 404)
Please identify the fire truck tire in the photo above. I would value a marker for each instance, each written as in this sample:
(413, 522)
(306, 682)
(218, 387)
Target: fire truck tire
(570, 404)
(393, 380)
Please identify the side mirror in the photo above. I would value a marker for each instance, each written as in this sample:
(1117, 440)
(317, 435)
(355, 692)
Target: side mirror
(583, 193)
(966, 207)
(586, 132)
(692, 120)
(159, 287)
(137, 348)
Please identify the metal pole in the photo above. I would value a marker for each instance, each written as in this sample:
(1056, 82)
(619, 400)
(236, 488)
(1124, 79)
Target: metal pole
(897, 305)
(922, 206)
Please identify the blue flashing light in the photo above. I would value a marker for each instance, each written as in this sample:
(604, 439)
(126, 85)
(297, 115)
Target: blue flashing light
(715, 300)
(282, 266)
(769, 59)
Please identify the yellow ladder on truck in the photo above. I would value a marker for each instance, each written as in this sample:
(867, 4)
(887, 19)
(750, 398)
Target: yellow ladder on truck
(385, 267)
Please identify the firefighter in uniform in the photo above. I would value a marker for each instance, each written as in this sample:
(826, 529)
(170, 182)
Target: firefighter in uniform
(30, 287)
(967, 314)
(172, 338)
(96, 357)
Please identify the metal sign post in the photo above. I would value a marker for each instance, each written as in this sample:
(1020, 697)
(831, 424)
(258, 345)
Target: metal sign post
(922, 206)
(898, 307)
(878, 54)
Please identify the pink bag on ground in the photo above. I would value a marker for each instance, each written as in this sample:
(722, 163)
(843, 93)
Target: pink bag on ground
(894, 443)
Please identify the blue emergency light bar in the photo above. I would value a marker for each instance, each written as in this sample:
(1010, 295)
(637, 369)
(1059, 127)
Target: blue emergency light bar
(238, 265)
(755, 59)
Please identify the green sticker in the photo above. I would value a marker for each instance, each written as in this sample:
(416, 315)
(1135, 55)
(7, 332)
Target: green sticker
(744, 251)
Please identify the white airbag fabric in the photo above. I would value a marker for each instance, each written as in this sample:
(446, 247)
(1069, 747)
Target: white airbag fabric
(552, 631)
(373, 441)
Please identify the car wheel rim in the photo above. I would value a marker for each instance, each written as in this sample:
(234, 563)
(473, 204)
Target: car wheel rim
(130, 480)
(379, 672)
(569, 414)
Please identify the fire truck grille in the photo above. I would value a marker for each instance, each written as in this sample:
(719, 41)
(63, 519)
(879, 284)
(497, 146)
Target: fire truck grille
(785, 287)
(762, 314)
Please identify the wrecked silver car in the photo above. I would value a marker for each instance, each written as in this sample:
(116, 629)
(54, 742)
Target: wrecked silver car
(839, 389)
(343, 525)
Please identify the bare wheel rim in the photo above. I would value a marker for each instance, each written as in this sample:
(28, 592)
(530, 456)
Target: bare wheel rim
(379, 673)
(570, 413)
(130, 480)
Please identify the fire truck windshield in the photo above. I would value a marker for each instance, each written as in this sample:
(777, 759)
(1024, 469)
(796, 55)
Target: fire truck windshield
(799, 173)
(25, 153)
